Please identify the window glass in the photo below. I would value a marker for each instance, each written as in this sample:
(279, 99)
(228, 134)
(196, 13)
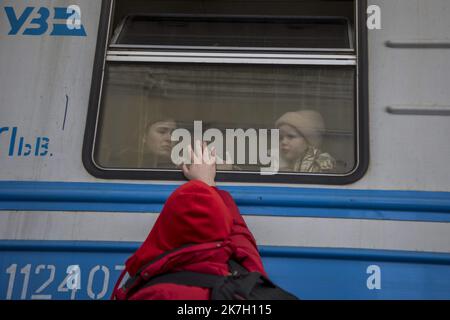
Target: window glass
(313, 106)
(237, 32)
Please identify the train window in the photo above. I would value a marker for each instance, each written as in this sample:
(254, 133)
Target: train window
(217, 69)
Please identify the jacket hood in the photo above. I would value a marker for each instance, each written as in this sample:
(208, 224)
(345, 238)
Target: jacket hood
(194, 214)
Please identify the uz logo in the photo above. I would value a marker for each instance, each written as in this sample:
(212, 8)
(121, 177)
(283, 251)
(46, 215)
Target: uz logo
(39, 24)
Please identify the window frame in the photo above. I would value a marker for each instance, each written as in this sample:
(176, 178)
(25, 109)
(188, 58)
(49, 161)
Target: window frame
(312, 57)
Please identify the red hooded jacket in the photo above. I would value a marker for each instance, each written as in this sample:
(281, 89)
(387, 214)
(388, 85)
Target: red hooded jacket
(199, 230)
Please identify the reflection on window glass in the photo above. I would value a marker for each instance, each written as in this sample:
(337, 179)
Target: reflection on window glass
(312, 106)
(278, 32)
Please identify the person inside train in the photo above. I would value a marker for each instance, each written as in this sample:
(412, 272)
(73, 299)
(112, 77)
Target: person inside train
(301, 135)
(152, 149)
(200, 247)
(157, 144)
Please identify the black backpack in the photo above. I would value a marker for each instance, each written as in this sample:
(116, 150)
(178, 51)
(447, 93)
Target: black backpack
(240, 285)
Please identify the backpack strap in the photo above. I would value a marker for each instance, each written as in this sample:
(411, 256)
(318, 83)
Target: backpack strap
(187, 278)
(236, 268)
(236, 286)
(195, 279)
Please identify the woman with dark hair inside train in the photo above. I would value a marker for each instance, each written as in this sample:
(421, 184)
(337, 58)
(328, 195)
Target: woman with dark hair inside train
(153, 148)
(157, 144)
(301, 135)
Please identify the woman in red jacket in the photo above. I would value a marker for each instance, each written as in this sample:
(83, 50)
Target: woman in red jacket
(199, 230)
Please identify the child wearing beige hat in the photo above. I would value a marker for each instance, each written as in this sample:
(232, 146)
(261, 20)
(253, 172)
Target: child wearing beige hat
(300, 140)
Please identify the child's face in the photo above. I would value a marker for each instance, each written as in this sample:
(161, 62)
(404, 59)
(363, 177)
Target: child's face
(292, 144)
(158, 140)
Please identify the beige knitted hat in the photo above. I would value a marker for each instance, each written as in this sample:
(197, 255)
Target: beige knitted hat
(308, 122)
